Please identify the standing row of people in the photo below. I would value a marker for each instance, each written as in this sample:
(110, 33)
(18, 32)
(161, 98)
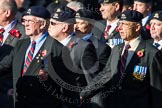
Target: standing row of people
(65, 50)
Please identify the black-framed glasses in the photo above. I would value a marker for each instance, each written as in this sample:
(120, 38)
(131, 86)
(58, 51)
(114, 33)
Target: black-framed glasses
(23, 21)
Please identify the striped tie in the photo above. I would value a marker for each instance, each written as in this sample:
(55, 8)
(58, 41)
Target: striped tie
(106, 33)
(124, 58)
(29, 57)
(1, 40)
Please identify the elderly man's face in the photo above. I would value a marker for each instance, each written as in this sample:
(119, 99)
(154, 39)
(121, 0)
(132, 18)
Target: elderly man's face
(156, 29)
(82, 27)
(55, 28)
(108, 11)
(32, 25)
(127, 30)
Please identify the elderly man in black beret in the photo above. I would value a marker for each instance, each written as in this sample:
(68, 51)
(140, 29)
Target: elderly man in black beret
(82, 53)
(28, 57)
(156, 29)
(84, 24)
(133, 73)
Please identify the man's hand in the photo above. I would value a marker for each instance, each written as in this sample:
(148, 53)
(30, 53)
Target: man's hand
(43, 75)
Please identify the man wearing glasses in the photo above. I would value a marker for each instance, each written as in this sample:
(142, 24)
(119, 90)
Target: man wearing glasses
(28, 57)
(134, 70)
(82, 53)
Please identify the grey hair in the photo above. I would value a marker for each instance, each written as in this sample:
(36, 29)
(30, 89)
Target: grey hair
(9, 5)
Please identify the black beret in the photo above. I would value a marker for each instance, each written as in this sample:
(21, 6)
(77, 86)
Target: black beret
(143, 1)
(108, 1)
(64, 14)
(128, 2)
(85, 14)
(38, 11)
(157, 15)
(131, 15)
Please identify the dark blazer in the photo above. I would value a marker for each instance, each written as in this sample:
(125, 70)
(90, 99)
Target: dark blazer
(103, 51)
(83, 65)
(145, 30)
(84, 57)
(30, 92)
(128, 90)
(98, 31)
(6, 81)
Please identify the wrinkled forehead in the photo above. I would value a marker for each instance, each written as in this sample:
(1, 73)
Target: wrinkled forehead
(29, 17)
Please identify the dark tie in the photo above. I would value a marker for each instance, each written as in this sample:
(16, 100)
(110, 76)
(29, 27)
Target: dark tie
(29, 57)
(1, 40)
(124, 58)
(106, 33)
(156, 45)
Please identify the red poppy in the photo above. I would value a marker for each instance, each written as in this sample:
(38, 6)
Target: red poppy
(117, 29)
(140, 53)
(148, 27)
(15, 33)
(2, 30)
(71, 44)
(44, 53)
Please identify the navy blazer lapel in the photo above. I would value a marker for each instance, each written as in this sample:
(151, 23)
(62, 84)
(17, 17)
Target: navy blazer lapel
(37, 63)
(74, 40)
(9, 39)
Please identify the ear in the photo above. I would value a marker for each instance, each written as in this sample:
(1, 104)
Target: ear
(138, 27)
(8, 13)
(117, 6)
(43, 25)
(65, 27)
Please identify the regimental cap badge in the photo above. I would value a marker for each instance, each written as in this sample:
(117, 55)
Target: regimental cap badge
(106, 1)
(77, 15)
(156, 15)
(55, 16)
(123, 16)
(29, 11)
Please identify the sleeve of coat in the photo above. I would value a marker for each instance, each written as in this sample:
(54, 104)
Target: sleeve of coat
(99, 82)
(6, 63)
(156, 80)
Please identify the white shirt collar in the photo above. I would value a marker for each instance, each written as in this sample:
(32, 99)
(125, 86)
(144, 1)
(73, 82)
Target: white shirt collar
(66, 40)
(113, 26)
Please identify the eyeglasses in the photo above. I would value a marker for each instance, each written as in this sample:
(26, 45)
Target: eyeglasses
(54, 24)
(125, 24)
(23, 21)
